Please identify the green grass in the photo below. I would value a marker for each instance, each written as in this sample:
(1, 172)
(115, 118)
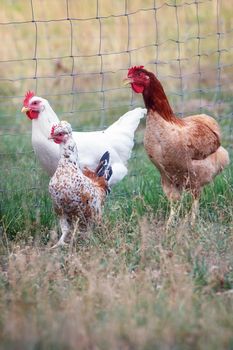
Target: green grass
(24, 184)
(25, 201)
(130, 284)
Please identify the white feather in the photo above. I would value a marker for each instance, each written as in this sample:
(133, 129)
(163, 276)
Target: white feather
(118, 139)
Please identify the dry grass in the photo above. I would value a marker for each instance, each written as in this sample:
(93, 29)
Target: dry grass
(178, 296)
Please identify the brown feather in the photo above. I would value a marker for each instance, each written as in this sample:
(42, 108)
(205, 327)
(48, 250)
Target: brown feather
(204, 136)
(99, 181)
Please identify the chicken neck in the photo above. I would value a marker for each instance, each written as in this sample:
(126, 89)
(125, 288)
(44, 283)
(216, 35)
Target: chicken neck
(156, 100)
(47, 117)
(69, 153)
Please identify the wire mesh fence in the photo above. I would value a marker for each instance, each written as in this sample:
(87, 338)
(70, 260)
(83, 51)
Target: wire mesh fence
(76, 53)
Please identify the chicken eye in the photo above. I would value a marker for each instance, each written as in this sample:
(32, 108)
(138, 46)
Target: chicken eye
(34, 103)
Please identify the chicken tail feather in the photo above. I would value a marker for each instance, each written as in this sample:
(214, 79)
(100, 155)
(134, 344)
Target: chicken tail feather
(104, 169)
(103, 164)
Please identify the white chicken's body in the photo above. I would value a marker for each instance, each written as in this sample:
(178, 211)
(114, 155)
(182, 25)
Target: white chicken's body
(118, 139)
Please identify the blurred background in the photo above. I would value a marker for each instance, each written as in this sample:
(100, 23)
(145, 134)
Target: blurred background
(76, 53)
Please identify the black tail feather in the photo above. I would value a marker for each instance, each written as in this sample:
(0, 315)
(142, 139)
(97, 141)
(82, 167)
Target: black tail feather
(103, 164)
(104, 168)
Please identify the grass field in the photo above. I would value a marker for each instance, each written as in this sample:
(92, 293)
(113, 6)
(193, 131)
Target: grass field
(130, 284)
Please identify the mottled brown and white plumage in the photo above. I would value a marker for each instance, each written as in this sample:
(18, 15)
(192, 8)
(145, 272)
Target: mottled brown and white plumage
(187, 151)
(77, 195)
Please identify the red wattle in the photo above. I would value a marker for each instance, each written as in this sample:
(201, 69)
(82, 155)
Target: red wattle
(137, 88)
(32, 114)
(57, 141)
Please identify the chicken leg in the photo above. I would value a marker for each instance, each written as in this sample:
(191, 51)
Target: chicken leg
(171, 215)
(194, 211)
(65, 229)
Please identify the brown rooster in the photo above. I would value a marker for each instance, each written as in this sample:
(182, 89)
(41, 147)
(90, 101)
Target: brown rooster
(187, 152)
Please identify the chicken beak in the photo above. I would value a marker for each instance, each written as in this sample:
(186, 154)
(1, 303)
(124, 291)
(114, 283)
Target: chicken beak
(25, 109)
(127, 81)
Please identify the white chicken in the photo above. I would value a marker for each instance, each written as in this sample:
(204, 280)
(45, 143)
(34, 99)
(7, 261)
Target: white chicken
(118, 138)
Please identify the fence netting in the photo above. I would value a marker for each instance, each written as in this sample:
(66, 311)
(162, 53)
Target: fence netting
(76, 53)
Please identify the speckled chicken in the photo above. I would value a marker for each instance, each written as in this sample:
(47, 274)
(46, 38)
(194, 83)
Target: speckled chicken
(187, 151)
(77, 195)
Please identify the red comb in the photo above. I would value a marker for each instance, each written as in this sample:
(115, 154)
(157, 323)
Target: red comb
(133, 69)
(53, 129)
(27, 97)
